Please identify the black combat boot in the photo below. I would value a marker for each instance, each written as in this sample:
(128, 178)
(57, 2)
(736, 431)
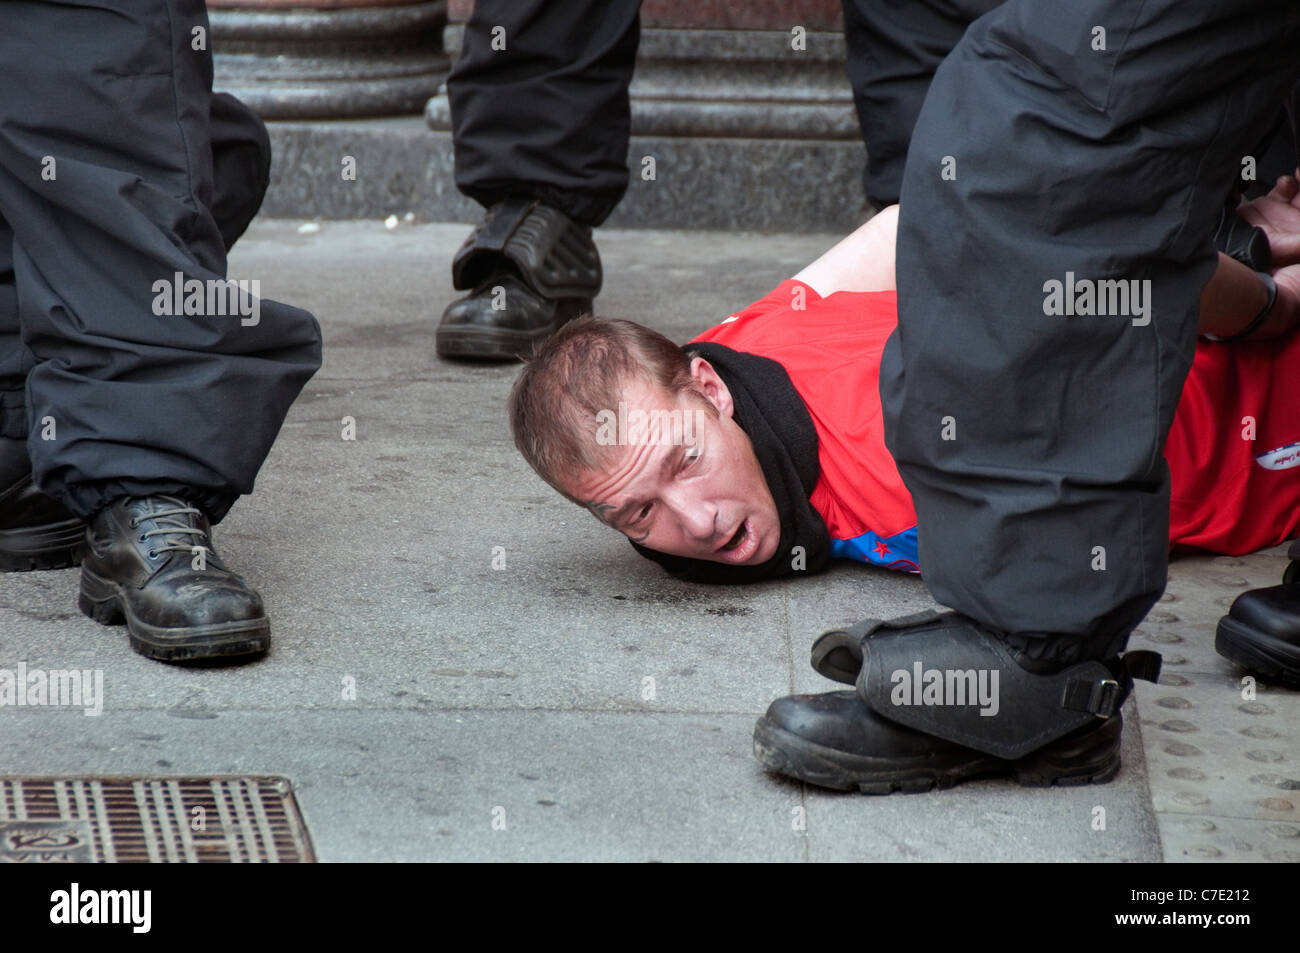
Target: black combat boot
(36, 531)
(1261, 632)
(836, 741)
(530, 269)
(939, 699)
(150, 563)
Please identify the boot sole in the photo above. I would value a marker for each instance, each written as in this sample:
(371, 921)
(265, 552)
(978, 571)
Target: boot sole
(1092, 758)
(52, 546)
(102, 600)
(505, 344)
(498, 344)
(1257, 651)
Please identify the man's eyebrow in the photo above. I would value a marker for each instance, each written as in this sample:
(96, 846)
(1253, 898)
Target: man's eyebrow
(602, 510)
(620, 514)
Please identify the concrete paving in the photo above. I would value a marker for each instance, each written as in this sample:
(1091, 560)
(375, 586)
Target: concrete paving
(590, 705)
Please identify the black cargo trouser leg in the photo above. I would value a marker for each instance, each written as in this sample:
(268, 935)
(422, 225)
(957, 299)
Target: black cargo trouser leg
(106, 181)
(548, 115)
(15, 360)
(241, 172)
(894, 47)
(241, 165)
(1031, 440)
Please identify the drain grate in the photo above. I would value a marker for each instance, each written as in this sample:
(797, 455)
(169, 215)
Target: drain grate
(222, 820)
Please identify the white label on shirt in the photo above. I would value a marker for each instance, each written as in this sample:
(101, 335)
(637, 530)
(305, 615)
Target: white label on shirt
(1283, 458)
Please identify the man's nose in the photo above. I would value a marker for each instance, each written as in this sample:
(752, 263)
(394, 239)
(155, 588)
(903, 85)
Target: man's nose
(698, 520)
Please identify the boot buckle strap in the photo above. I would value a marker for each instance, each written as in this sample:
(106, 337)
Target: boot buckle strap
(1104, 696)
(1101, 696)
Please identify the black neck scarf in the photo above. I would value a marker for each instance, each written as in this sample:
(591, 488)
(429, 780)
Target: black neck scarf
(768, 408)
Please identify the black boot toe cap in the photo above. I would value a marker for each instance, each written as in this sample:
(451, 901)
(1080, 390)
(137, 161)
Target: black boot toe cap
(1274, 611)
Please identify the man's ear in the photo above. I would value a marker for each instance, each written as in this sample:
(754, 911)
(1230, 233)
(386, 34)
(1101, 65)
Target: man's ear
(712, 386)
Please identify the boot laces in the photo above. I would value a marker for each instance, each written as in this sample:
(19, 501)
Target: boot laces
(172, 523)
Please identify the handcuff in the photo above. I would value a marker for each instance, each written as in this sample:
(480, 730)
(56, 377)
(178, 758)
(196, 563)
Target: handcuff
(1259, 318)
(1248, 244)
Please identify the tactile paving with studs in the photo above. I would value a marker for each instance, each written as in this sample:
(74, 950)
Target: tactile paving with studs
(1222, 747)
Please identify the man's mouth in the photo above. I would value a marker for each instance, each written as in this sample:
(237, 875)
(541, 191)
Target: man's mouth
(740, 547)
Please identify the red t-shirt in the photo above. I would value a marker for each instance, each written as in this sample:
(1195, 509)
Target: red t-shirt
(1236, 487)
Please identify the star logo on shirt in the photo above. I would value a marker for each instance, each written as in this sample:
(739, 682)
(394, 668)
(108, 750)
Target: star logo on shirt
(881, 549)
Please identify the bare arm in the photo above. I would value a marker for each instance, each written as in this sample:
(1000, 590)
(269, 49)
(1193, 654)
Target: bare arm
(1234, 295)
(864, 261)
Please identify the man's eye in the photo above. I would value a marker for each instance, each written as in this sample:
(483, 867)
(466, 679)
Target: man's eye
(645, 511)
(691, 456)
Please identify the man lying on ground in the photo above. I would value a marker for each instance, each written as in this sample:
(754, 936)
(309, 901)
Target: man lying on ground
(757, 450)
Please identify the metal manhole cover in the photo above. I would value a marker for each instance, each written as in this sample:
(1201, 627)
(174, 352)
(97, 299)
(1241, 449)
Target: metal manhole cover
(221, 820)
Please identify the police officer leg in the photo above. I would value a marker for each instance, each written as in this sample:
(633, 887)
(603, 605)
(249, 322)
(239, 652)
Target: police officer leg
(163, 387)
(36, 532)
(893, 50)
(1061, 146)
(540, 120)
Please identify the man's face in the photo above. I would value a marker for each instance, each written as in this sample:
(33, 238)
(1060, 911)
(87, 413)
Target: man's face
(679, 479)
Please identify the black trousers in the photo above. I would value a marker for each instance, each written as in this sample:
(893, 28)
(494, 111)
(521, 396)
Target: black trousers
(1030, 437)
(115, 162)
(548, 115)
(894, 47)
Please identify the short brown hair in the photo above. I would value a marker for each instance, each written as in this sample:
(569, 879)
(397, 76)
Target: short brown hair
(581, 370)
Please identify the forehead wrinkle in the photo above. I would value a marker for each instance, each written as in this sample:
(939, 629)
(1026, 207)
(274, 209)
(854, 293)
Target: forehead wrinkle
(602, 489)
(646, 395)
(666, 465)
(637, 499)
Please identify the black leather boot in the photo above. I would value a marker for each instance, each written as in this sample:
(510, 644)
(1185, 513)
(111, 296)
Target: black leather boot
(150, 563)
(531, 268)
(36, 531)
(941, 699)
(1261, 632)
(836, 741)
